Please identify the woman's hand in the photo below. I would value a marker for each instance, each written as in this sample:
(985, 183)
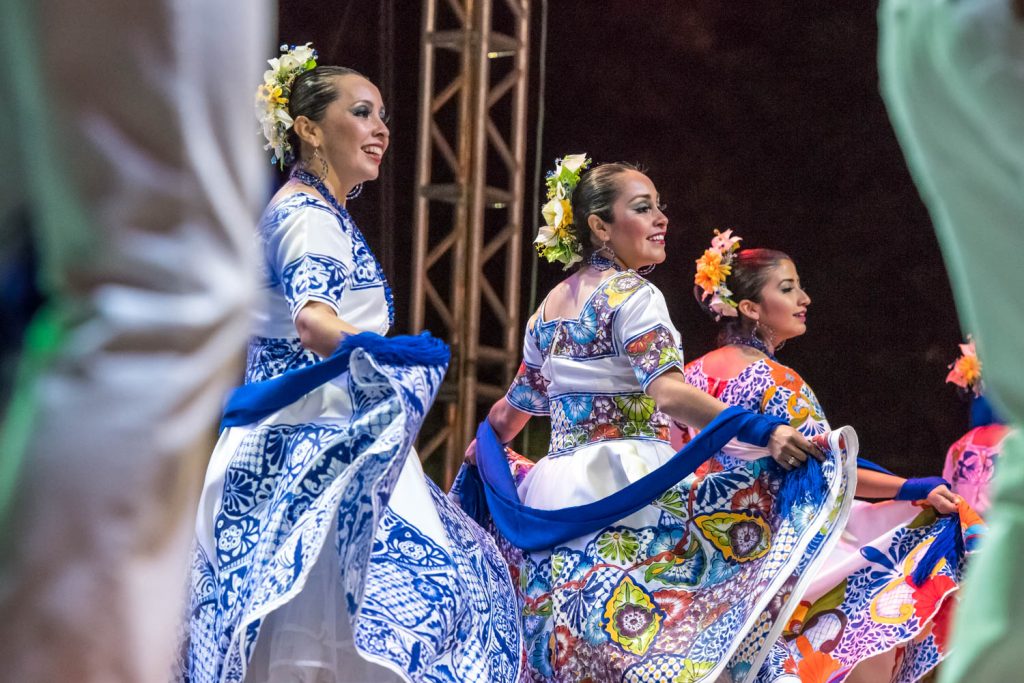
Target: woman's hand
(943, 500)
(470, 455)
(790, 448)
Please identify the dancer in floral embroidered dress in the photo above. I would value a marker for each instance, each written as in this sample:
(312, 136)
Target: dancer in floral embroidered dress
(864, 606)
(677, 589)
(971, 460)
(322, 552)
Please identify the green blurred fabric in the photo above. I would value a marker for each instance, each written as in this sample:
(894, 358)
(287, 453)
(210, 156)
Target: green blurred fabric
(952, 75)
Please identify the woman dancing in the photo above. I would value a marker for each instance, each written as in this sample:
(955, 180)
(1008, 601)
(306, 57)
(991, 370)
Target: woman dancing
(322, 551)
(629, 569)
(866, 606)
(971, 460)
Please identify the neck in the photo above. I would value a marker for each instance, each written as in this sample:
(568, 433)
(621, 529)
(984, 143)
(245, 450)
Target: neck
(328, 186)
(338, 188)
(752, 341)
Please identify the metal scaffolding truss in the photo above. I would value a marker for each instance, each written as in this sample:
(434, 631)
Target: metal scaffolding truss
(469, 203)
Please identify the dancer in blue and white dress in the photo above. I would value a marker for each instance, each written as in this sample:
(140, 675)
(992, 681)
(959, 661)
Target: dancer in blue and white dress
(322, 551)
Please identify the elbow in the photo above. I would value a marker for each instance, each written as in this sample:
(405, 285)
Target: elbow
(662, 399)
(309, 342)
(306, 330)
(311, 333)
(506, 420)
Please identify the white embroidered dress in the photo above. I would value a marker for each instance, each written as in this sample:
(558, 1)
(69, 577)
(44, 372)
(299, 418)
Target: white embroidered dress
(590, 375)
(322, 551)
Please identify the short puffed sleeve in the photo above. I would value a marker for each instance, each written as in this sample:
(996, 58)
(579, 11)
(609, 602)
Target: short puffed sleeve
(529, 390)
(310, 254)
(647, 336)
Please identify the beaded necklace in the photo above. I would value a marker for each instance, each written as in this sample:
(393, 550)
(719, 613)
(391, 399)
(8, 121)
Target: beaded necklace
(753, 342)
(314, 182)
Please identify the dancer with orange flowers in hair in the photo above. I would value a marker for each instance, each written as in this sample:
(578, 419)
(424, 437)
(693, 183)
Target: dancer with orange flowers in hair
(971, 461)
(877, 608)
(630, 567)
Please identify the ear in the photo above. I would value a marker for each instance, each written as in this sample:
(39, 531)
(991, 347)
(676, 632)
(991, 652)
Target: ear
(749, 309)
(308, 131)
(598, 228)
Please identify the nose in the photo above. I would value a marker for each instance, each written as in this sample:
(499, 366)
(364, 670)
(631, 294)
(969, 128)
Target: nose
(660, 219)
(805, 298)
(382, 130)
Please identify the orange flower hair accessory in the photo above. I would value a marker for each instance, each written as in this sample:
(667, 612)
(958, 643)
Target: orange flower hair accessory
(713, 267)
(965, 371)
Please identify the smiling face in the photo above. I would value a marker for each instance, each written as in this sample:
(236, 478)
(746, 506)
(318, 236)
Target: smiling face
(783, 306)
(352, 135)
(636, 232)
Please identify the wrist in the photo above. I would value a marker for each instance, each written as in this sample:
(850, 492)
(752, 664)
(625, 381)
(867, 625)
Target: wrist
(758, 429)
(918, 488)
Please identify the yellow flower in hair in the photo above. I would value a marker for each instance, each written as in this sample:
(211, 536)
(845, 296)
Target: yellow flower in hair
(557, 212)
(711, 272)
(271, 96)
(556, 240)
(969, 367)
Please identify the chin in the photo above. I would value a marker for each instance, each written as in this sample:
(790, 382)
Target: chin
(656, 259)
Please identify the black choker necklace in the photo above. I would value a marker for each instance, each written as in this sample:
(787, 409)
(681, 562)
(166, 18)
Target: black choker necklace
(752, 341)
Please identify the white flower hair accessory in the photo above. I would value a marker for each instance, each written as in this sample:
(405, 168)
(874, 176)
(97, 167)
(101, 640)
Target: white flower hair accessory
(713, 267)
(556, 240)
(273, 95)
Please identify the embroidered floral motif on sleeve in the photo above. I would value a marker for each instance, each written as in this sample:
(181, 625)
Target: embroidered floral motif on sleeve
(652, 353)
(314, 277)
(529, 391)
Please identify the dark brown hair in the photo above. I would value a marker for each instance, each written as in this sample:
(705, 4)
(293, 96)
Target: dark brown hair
(751, 269)
(594, 195)
(312, 92)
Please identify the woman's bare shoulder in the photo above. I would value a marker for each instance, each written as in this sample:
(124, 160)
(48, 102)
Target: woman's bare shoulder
(727, 362)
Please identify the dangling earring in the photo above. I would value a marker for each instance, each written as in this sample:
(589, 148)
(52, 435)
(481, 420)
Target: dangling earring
(603, 263)
(768, 334)
(355, 192)
(322, 176)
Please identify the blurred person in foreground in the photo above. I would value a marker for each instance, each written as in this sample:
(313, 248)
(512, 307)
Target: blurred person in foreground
(125, 155)
(952, 77)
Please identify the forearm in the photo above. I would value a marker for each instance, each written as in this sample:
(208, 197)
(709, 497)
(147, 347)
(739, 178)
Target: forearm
(320, 329)
(872, 484)
(506, 421)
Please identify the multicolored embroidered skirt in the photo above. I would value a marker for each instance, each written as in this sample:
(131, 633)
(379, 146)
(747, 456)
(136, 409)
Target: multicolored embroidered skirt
(694, 587)
(865, 602)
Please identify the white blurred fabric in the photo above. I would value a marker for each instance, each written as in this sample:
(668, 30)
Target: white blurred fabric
(133, 147)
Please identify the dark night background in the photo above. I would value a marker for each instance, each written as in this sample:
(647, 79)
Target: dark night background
(758, 116)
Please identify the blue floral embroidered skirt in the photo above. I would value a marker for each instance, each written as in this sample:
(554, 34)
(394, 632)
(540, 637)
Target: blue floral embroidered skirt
(321, 545)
